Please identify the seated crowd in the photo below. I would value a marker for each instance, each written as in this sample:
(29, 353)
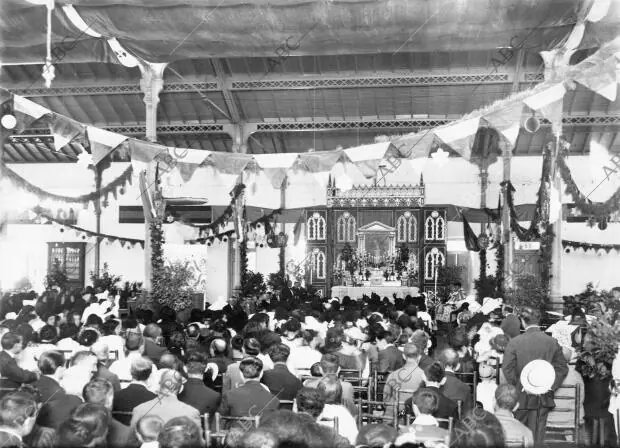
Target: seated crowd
(319, 373)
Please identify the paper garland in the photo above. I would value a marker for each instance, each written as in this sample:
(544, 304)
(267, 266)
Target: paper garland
(89, 233)
(583, 204)
(567, 244)
(111, 188)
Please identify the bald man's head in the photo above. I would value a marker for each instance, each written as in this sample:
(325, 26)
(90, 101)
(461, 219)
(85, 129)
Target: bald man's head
(101, 351)
(218, 347)
(449, 358)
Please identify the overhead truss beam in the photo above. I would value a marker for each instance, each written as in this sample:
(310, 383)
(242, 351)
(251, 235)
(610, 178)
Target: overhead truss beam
(232, 84)
(35, 135)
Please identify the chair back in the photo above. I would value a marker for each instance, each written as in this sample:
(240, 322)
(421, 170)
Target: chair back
(222, 426)
(371, 411)
(352, 376)
(565, 416)
(287, 404)
(446, 423)
(471, 379)
(459, 408)
(333, 420)
(378, 383)
(113, 355)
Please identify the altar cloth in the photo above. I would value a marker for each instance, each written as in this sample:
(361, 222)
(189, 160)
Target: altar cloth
(356, 292)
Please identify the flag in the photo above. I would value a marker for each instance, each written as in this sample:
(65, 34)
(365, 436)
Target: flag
(297, 230)
(471, 241)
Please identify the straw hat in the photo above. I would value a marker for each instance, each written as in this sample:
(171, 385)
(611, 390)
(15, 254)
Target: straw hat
(486, 371)
(537, 377)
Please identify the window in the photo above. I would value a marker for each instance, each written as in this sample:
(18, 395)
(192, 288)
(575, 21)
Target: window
(318, 264)
(429, 228)
(316, 227)
(70, 258)
(401, 229)
(440, 226)
(432, 261)
(412, 229)
(345, 228)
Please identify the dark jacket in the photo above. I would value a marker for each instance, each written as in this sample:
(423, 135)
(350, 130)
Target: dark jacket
(153, 351)
(531, 345)
(48, 387)
(13, 376)
(511, 326)
(104, 373)
(125, 400)
(57, 410)
(456, 390)
(390, 359)
(281, 382)
(196, 394)
(118, 434)
(446, 408)
(249, 399)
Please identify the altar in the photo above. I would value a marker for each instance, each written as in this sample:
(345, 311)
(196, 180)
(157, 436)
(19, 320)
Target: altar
(356, 292)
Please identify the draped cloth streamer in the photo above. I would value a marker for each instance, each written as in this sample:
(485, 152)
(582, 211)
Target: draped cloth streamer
(102, 142)
(549, 103)
(368, 157)
(507, 122)
(144, 151)
(606, 84)
(459, 136)
(414, 146)
(229, 163)
(590, 246)
(64, 130)
(27, 112)
(316, 162)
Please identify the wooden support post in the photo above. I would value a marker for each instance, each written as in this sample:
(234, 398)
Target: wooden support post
(507, 234)
(98, 175)
(555, 287)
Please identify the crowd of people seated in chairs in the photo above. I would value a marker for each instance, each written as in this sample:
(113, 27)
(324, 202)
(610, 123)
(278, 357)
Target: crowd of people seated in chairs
(323, 373)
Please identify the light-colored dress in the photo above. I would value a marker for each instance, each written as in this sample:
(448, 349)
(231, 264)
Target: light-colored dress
(614, 403)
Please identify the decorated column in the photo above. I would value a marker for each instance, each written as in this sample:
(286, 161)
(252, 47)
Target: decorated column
(151, 83)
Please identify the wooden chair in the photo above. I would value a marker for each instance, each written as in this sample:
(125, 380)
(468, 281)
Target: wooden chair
(352, 376)
(217, 437)
(334, 421)
(378, 383)
(471, 379)
(449, 422)
(371, 411)
(459, 408)
(289, 405)
(113, 354)
(567, 399)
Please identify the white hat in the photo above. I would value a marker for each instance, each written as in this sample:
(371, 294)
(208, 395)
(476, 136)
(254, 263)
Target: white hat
(219, 304)
(537, 377)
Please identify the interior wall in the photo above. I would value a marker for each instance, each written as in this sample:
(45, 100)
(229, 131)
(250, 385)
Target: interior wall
(23, 248)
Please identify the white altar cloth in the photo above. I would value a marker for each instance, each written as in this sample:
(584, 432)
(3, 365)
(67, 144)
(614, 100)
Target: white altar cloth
(356, 292)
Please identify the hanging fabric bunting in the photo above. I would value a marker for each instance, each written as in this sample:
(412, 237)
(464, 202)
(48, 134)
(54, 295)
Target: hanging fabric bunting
(471, 240)
(145, 152)
(368, 157)
(27, 112)
(64, 130)
(459, 136)
(606, 84)
(229, 163)
(507, 122)
(574, 245)
(102, 142)
(298, 228)
(549, 103)
(414, 146)
(315, 162)
(187, 170)
(276, 176)
(598, 10)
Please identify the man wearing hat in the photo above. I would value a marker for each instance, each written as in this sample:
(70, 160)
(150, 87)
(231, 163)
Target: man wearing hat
(534, 363)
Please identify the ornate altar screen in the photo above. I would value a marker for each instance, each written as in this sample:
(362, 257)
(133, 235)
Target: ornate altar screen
(382, 238)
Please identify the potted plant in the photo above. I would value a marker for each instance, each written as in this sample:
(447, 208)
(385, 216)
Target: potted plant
(105, 281)
(367, 275)
(594, 363)
(172, 286)
(528, 290)
(56, 276)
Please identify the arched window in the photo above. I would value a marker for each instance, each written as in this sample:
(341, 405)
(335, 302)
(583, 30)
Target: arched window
(440, 226)
(341, 229)
(316, 227)
(429, 229)
(432, 261)
(351, 229)
(401, 229)
(318, 264)
(412, 229)
(412, 264)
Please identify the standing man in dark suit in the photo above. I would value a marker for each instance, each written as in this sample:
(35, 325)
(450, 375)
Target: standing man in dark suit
(454, 388)
(12, 375)
(195, 393)
(533, 344)
(251, 398)
(390, 358)
(137, 392)
(280, 381)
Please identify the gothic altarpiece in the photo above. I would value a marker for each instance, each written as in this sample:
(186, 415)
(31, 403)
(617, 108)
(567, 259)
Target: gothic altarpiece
(375, 236)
